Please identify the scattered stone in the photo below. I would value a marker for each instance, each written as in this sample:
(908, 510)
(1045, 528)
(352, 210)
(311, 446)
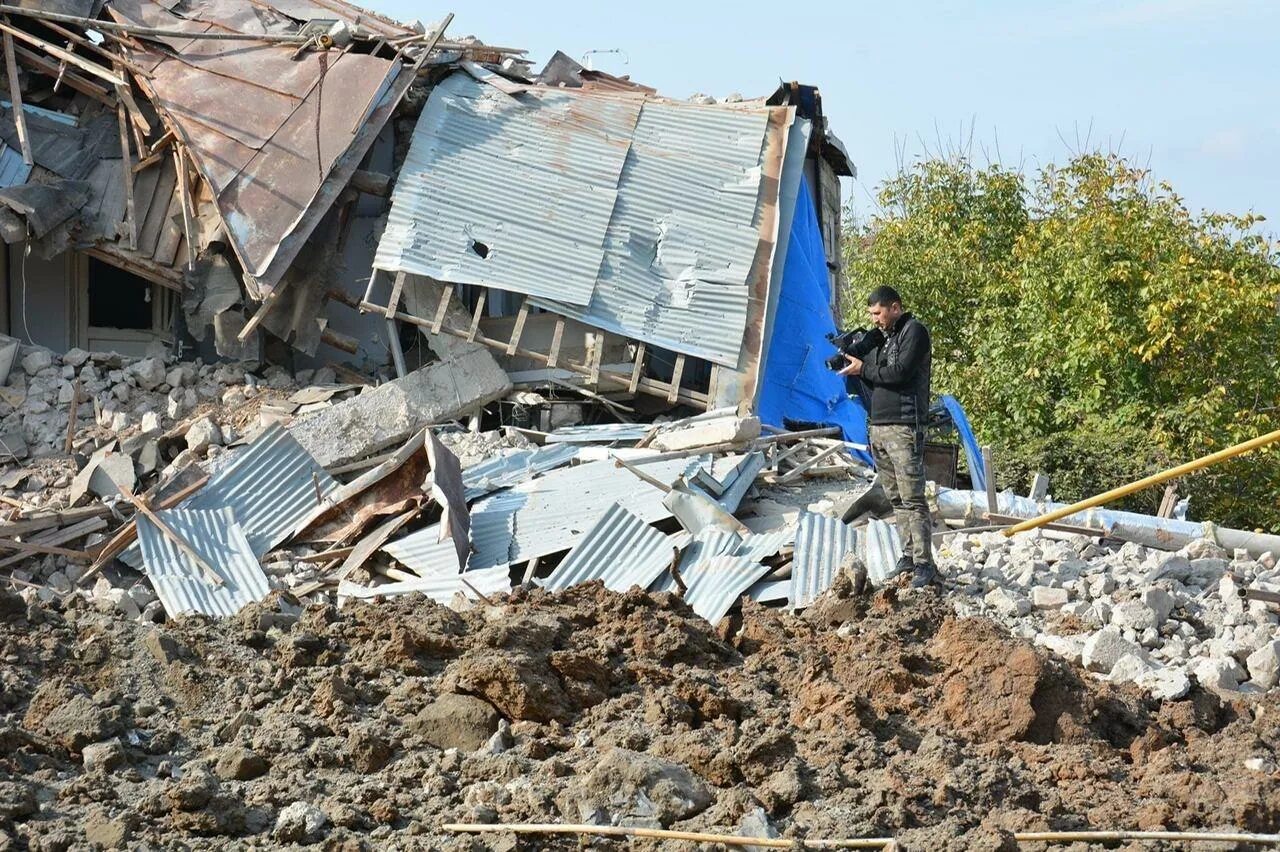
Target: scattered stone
(104, 832)
(1219, 674)
(1008, 603)
(1045, 597)
(239, 764)
(1104, 649)
(149, 373)
(299, 822)
(1165, 683)
(456, 721)
(203, 433)
(1264, 665)
(105, 756)
(165, 648)
(75, 357)
(36, 360)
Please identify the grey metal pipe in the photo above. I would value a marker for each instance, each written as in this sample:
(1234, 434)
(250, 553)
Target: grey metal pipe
(1160, 533)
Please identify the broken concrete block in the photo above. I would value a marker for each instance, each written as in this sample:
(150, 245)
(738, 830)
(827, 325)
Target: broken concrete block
(1008, 603)
(36, 360)
(1264, 665)
(1133, 615)
(75, 357)
(1069, 648)
(106, 755)
(704, 433)
(1045, 597)
(1166, 684)
(149, 373)
(8, 354)
(390, 413)
(202, 434)
(1219, 674)
(1104, 649)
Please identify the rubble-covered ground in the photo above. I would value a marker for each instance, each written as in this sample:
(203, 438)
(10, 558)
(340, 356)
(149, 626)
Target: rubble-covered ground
(371, 726)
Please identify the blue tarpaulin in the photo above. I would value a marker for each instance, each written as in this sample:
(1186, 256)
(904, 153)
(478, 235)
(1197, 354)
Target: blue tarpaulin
(797, 384)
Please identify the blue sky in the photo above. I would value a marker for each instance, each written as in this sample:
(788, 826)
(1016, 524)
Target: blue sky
(1190, 87)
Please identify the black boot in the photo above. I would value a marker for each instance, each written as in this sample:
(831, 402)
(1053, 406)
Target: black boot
(904, 565)
(925, 574)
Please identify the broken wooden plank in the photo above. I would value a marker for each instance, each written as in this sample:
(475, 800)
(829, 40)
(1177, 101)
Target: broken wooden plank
(56, 537)
(188, 211)
(48, 550)
(64, 55)
(553, 357)
(517, 331)
(798, 471)
(676, 375)
(178, 541)
(15, 97)
(637, 369)
(75, 81)
(442, 309)
(126, 160)
(34, 523)
(128, 533)
(397, 287)
(72, 416)
(477, 316)
(264, 308)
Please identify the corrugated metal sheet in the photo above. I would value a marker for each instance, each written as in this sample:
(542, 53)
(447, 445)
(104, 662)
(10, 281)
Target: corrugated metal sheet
(424, 555)
(440, 588)
(716, 584)
(821, 544)
(553, 512)
(513, 192)
(770, 591)
(761, 546)
(880, 548)
(220, 541)
(710, 542)
(601, 433)
(684, 233)
(740, 481)
(631, 213)
(505, 471)
(620, 549)
(271, 485)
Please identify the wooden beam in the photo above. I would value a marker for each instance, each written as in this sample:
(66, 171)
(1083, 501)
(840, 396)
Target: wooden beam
(798, 471)
(15, 97)
(397, 287)
(75, 81)
(477, 316)
(116, 59)
(47, 549)
(268, 302)
(128, 533)
(637, 369)
(647, 385)
(72, 415)
(126, 159)
(676, 375)
(553, 357)
(442, 309)
(517, 331)
(338, 340)
(188, 212)
(64, 55)
(178, 541)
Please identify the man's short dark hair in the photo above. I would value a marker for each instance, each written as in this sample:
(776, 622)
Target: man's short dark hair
(884, 296)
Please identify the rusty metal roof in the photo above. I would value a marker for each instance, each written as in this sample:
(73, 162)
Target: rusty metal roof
(265, 131)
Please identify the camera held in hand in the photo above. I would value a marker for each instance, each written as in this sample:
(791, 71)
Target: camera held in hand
(844, 343)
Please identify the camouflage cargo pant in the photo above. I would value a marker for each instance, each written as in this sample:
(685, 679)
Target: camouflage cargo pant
(899, 455)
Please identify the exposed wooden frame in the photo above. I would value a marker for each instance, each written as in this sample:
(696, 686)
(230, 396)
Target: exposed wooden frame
(126, 160)
(676, 375)
(64, 55)
(52, 69)
(637, 369)
(442, 309)
(477, 316)
(557, 336)
(517, 330)
(15, 97)
(397, 287)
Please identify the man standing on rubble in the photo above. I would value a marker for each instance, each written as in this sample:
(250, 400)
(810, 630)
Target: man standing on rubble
(894, 362)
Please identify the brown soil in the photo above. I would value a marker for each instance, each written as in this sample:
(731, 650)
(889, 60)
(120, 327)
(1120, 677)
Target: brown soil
(865, 717)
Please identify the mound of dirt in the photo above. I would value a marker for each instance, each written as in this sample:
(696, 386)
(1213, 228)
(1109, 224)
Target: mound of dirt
(372, 726)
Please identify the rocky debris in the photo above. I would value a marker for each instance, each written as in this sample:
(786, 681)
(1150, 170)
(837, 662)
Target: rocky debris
(834, 727)
(456, 721)
(1126, 612)
(104, 756)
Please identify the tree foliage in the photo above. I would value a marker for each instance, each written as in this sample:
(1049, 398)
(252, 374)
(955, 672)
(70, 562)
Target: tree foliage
(1092, 325)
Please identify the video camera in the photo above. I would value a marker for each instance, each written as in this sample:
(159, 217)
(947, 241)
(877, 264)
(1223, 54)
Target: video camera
(844, 343)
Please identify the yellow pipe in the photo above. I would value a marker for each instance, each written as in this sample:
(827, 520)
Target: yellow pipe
(1154, 479)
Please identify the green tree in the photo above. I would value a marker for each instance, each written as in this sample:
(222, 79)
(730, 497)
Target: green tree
(1092, 326)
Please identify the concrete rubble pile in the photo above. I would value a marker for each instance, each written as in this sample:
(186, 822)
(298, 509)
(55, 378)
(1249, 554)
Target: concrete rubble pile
(1155, 618)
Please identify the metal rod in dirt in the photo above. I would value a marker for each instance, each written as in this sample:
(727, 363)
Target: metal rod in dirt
(1146, 482)
(1186, 836)
(665, 834)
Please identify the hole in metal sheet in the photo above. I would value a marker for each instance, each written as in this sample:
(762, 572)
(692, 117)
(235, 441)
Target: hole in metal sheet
(480, 248)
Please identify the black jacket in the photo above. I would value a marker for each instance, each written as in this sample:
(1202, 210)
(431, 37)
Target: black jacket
(895, 370)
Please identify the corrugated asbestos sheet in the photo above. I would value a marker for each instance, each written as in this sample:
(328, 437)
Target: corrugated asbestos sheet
(633, 214)
(685, 231)
(715, 585)
(219, 540)
(821, 543)
(505, 471)
(263, 129)
(270, 486)
(513, 192)
(440, 588)
(620, 549)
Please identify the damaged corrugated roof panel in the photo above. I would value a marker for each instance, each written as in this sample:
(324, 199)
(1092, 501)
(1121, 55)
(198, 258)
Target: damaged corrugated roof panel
(514, 192)
(717, 583)
(821, 544)
(270, 134)
(552, 513)
(271, 485)
(424, 553)
(712, 541)
(620, 549)
(216, 537)
(441, 588)
(761, 546)
(685, 231)
(599, 433)
(880, 547)
(770, 591)
(508, 470)
(14, 171)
